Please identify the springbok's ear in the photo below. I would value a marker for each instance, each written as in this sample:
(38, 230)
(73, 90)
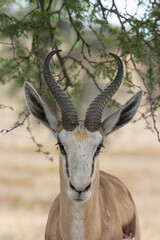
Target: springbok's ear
(121, 117)
(39, 109)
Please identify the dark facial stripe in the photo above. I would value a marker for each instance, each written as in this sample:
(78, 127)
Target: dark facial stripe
(67, 168)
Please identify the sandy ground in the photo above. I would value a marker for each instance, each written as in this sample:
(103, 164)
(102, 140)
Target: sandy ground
(29, 183)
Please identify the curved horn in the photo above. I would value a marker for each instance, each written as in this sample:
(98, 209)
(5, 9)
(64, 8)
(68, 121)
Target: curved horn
(94, 111)
(68, 110)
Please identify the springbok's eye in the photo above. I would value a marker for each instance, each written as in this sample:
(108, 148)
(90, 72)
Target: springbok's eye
(61, 148)
(98, 149)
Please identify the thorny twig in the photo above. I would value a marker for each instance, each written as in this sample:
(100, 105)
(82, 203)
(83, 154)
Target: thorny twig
(17, 124)
(79, 36)
(59, 18)
(38, 145)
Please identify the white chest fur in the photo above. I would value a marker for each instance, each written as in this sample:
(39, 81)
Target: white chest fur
(78, 224)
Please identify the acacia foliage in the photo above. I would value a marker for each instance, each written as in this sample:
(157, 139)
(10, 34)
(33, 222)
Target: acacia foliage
(83, 28)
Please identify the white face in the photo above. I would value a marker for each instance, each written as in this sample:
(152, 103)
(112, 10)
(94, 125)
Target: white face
(79, 151)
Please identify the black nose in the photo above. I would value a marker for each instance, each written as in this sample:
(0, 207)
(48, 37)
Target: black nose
(85, 189)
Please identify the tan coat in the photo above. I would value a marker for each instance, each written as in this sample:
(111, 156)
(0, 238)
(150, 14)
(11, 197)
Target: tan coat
(109, 214)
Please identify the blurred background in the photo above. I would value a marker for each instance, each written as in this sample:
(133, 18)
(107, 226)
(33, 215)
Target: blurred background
(29, 175)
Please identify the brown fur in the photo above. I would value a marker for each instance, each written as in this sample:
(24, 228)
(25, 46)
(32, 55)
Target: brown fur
(60, 129)
(81, 134)
(110, 211)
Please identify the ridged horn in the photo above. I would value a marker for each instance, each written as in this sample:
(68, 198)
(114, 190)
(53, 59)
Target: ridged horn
(68, 110)
(95, 109)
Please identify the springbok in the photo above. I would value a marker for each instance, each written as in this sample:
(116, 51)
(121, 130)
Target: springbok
(92, 205)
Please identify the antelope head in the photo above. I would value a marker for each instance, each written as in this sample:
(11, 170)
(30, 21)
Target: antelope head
(80, 141)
